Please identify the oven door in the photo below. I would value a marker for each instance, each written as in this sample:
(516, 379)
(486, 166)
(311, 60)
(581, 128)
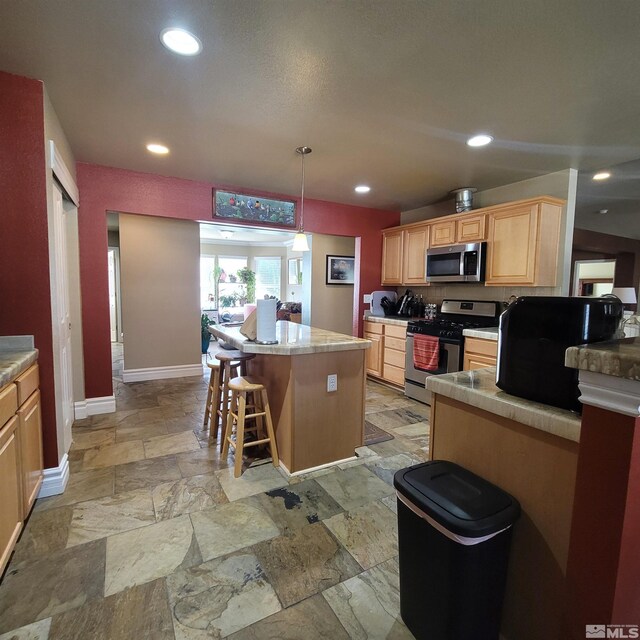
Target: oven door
(415, 379)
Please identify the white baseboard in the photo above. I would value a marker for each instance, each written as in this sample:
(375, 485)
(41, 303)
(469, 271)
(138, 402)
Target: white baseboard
(327, 465)
(160, 373)
(55, 479)
(94, 406)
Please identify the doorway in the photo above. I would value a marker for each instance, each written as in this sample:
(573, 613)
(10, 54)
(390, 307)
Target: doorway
(593, 278)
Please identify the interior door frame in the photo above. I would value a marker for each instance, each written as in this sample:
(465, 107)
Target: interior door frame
(60, 207)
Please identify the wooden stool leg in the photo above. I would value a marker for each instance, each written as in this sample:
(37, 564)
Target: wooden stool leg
(273, 447)
(214, 403)
(240, 434)
(207, 407)
(228, 427)
(224, 403)
(259, 407)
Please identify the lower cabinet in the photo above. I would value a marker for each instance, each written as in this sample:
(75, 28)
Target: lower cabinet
(10, 490)
(30, 429)
(479, 353)
(385, 357)
(21, 462)
(374, 354)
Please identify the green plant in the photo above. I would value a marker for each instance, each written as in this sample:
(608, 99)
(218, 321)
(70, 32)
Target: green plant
(205, 321)
(228, 300)
(248, 278)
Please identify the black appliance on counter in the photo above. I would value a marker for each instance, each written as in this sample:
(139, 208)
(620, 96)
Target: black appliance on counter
(535, 333)
(453, 318)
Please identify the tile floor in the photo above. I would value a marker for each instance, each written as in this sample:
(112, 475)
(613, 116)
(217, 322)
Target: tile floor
(154, 537)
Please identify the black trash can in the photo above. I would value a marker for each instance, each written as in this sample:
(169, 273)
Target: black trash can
(454, 533)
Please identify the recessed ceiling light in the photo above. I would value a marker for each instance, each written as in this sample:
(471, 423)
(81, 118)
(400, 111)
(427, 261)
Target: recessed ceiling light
(158, 148)
(602, 175)
(362, 188)
(603, 211)
(480, 140)
(181, 42)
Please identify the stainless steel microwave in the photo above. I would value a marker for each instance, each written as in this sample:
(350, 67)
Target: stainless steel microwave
(457, 263)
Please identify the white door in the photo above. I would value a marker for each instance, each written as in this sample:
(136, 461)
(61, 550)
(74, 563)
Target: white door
(113, 307)
(62, 323)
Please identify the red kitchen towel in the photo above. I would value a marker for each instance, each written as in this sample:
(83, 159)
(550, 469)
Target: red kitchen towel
(426, 352)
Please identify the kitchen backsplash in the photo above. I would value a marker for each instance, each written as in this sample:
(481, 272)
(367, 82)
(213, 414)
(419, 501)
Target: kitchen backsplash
(476, 292)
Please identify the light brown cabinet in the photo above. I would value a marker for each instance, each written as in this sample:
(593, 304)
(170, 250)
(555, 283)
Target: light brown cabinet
(395, 337)
(523, 243)
(470, 229)
(21, 463)
(10, 490)
(479, 353)
(386, 360)
(374, 354)
(30, 429)
(415, 244)
(392, 257)
(443, 233)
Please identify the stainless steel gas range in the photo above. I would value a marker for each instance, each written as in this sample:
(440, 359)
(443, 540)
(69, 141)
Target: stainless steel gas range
(453, 318)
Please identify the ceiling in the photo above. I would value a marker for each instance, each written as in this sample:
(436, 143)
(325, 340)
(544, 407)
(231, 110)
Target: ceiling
(384, 91)
(211, 234)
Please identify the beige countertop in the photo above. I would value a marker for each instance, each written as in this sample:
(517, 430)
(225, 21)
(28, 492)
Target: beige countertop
(478, 389)
(390, 320)
(619, 358)
(488, 333)
(16, 355)
(293, 339)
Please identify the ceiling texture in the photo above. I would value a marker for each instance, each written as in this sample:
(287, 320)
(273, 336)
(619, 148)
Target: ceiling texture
(385, 92)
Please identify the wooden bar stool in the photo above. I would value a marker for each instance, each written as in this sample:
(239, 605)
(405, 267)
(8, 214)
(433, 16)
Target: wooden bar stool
(213, 399)
(240, 387)
(230, 360)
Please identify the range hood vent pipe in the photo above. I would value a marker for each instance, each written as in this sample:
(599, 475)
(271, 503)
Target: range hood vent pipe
(464, 198)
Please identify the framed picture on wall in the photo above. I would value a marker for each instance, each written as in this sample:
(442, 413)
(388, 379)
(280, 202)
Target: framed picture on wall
(231, 206)
(340, 269)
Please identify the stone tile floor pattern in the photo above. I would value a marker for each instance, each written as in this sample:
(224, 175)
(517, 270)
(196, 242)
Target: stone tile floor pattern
(154, 537)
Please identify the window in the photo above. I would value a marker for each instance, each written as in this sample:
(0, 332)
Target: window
(268, 271)
(207, 282)
(230, 291)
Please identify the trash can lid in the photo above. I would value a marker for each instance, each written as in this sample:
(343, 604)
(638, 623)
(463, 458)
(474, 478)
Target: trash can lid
(462, 502)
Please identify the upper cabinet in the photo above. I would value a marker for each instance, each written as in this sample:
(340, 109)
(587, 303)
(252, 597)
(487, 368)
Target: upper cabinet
(392, 257)
(523, 243)
(443, 233)
(470, 229)
(414, 264)
(404, 255)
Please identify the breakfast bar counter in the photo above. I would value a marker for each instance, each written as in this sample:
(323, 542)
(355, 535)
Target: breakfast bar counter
(530, 450)
(314, 427)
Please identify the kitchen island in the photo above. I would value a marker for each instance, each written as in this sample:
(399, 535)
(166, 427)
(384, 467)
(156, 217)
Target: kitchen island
(314, 427)
(530, 450)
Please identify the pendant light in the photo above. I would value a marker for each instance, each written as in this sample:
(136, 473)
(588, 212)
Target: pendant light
(300, 240)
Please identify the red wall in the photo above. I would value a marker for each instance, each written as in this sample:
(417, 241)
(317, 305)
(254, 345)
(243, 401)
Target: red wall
(105, 189)
(24, 256)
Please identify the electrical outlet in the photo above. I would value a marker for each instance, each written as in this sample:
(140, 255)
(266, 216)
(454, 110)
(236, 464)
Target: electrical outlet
(332, 382)
(366, 298)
